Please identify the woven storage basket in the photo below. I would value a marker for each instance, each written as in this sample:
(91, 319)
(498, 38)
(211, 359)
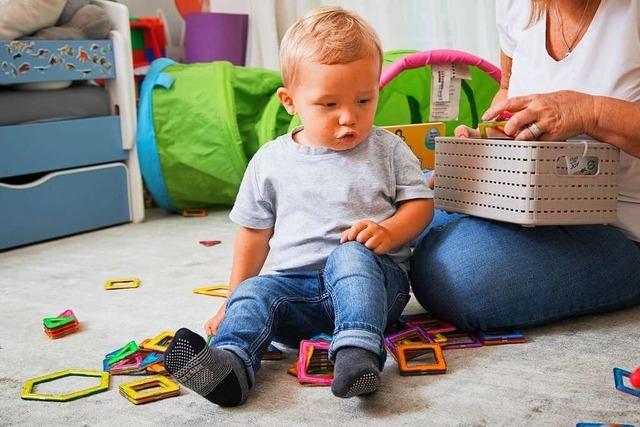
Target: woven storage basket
(525, 182)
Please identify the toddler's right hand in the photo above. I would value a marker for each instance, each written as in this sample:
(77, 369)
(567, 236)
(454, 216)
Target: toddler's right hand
(211, 326)
(463, 131)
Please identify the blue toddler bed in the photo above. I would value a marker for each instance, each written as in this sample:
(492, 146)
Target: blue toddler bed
(67, 157)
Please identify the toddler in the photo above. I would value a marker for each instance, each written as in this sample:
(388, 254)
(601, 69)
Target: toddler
(334, 204)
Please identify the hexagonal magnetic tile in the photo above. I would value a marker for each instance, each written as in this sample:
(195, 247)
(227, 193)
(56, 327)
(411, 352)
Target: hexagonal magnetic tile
(28, 394)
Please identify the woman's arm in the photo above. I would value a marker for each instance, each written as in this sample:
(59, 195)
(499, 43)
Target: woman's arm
(505, 70)
(565, 114)
(616, 122)
(463, 131)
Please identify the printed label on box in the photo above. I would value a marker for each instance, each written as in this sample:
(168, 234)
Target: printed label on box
(421, 138)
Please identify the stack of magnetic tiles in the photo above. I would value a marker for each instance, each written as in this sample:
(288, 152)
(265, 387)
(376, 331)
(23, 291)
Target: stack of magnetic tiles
(145, 358)
(64, 324)
(312, 366)
(417, 345)
(419, 342)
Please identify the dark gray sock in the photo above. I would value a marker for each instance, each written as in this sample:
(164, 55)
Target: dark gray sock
(218, 375)
(355, 372)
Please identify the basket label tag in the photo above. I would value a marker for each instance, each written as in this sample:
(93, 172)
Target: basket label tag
(445, 90)
(578, 165)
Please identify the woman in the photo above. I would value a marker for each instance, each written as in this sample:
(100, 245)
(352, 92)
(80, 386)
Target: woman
(569, 67)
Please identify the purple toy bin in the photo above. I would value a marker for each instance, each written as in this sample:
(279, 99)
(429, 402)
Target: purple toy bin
(215, 37)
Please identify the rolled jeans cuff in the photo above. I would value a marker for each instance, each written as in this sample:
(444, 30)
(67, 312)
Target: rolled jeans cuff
(360, 338)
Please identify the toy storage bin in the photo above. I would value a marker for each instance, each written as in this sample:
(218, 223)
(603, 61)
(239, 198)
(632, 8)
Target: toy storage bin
(525, 182)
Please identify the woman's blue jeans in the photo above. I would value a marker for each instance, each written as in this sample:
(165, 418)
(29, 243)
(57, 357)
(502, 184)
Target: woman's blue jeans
(354, 297)
(481, 274)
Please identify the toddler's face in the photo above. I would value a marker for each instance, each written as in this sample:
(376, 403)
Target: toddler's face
(336, 103)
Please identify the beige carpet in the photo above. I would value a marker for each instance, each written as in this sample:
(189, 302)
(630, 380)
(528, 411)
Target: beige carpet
(562, 376)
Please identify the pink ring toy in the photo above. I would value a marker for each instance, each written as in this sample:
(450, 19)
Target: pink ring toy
(438, 56)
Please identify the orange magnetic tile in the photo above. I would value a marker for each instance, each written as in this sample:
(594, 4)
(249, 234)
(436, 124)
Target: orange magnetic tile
(438, 367)
(194, 212)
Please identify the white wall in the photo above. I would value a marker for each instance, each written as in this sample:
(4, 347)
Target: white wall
(418, 24)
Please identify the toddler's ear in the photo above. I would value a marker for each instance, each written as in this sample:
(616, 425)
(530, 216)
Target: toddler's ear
(287, 100)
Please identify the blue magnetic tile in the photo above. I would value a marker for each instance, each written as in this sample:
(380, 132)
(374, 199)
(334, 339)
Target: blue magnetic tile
(618, 376)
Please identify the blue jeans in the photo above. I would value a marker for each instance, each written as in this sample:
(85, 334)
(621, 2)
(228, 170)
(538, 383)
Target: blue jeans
(481, 274)
(354, 297)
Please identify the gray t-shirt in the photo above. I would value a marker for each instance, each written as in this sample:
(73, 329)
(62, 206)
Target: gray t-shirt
(310, 195)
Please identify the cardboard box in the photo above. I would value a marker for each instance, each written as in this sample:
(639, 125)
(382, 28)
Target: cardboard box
(421, 138)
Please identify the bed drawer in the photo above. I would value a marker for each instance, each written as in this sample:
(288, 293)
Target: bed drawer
(63, 203)
(43, 147)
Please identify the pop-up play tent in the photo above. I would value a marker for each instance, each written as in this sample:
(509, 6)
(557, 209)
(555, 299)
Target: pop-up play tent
(199, 124)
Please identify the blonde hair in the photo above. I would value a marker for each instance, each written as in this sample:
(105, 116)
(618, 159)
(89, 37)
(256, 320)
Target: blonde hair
(327, 35)
(538, 8)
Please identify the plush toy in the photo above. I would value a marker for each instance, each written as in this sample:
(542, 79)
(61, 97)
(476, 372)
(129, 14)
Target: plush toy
(19, 18)
(78, 20)
(52, 20)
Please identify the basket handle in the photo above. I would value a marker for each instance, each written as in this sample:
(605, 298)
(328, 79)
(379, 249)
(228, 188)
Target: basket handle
(437, 56)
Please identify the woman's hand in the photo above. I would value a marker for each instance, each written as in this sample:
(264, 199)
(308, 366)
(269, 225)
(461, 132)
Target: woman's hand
(211, 326)
(557, 115)
(369, 233)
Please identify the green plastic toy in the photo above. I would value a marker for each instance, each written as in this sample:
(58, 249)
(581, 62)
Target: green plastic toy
(122, 352)
(56, 322)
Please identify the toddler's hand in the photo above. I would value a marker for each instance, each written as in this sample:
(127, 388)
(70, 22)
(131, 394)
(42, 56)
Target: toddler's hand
(371, 234)
(211, 326)
(463, 131)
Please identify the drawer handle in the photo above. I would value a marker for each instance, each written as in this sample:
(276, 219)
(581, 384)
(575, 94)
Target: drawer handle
(36, 179)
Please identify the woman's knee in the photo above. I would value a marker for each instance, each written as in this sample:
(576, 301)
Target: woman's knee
(485, 275)
(460, 302)
(460, 275)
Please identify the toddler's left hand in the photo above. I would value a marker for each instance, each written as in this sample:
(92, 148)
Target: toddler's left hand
(369, 233)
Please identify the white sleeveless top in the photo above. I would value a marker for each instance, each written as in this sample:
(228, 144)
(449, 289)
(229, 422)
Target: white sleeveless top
(605, 62)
